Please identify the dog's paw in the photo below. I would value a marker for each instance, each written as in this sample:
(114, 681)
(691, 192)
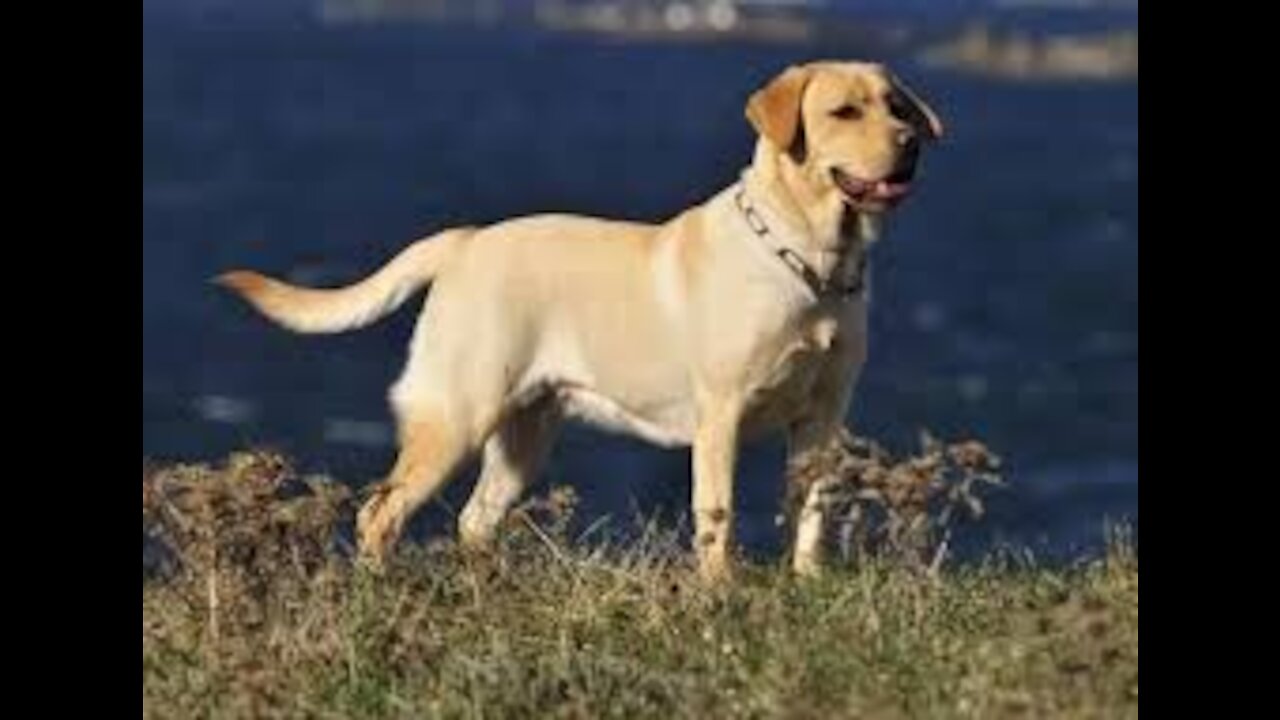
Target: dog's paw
(805, 567)
(716, 570)
(371, 563)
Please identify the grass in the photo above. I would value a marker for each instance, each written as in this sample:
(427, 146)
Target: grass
(252, 609)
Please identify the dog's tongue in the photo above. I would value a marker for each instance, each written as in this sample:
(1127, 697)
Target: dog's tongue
(858, 189)
(886, 190)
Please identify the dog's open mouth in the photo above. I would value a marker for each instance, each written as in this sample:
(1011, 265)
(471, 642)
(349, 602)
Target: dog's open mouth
(860, 192)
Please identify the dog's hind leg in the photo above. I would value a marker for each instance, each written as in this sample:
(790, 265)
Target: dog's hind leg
(430, 452)
(448, 403)
(513, 456)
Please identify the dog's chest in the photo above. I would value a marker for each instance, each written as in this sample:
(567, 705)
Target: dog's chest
(792, 369)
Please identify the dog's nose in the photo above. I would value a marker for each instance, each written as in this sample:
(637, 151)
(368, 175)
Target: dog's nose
(908, 155)
(906, 138)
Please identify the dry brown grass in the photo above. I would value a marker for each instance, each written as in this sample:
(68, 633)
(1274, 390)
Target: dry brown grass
(255, 611)
(898, 509)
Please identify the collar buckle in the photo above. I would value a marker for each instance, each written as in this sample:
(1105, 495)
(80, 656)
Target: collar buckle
(821, 288)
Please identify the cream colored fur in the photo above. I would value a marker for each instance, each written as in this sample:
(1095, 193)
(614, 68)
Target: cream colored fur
(691, 332)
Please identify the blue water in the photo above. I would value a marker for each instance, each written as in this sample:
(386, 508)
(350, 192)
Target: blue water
(1006, 296)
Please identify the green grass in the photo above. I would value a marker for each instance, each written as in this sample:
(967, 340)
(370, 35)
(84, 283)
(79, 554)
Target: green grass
(263, 619)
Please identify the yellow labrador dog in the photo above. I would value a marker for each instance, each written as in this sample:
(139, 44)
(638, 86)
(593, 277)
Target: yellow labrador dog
(741, 316)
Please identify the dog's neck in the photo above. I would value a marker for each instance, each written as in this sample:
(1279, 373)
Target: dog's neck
(829, 235)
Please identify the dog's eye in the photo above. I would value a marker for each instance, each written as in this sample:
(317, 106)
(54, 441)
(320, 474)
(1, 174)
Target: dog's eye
(847, 112)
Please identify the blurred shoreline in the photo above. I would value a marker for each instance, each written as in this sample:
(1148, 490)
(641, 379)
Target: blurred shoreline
(980, 50)
(786, 21)
(953, 43)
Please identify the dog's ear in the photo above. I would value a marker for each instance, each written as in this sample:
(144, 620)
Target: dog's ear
(914, 110)
(774, 110)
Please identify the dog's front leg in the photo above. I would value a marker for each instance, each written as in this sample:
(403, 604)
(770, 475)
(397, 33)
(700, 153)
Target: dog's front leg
(819, 428)
(715, 451)
(807, 504)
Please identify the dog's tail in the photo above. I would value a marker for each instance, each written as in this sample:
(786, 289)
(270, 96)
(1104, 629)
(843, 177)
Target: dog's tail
(307, 310)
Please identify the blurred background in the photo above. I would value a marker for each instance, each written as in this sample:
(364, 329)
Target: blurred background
(312, 139)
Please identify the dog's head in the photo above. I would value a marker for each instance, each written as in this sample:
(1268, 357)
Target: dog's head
(851, 128)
